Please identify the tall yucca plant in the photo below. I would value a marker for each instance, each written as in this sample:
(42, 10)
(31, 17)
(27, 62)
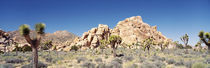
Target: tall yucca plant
(25, 31)
(185, 39)
(205, 38)
(114, 40)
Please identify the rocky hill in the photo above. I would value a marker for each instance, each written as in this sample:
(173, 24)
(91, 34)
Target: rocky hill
(131, 30)
(57, 37)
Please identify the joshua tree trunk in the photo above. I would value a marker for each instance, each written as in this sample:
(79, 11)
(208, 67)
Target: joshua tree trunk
(148, 50)
(209, 49)
(16, 51)
(4, 50)
(161, 46)
(35, 57)
(114, 52)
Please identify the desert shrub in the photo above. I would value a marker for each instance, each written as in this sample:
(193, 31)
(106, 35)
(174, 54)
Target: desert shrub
(159, 64)
(88, 65)
(101, 65)
(179, 63)
(188, 47)
(141, 59)
(171, 61)
(17, 48)
(98, 60)
(128, 58)
(14, 60)
(48, 59)
(153, 58)
(207, 61)
(106, 57)
(1, 52)
(204, 55)
(147, 65)
(198, 65)
(180, 46)
(26, 48)
(114, 64)
(117, 60)
(81, 59)
(188, 64)
(46, 45)
(40, 65)
(75, 48)
(6, 66)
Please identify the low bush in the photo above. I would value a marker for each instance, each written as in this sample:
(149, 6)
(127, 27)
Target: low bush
(171, 61)
(75, 48)
(40, 65)
(14, 60)
(198, 65)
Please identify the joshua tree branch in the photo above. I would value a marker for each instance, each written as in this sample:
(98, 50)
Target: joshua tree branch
(28, 39)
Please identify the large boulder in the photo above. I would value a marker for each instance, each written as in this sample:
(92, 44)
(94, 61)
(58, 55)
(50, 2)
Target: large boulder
(133, 29)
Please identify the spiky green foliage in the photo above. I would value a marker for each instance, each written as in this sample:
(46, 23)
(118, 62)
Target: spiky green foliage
(24, 29)
(40, 27)
(185, 39)
(198, 44)
(147, 43)
(46, 45)
(103, 44)
(114, 40)
(204, 37)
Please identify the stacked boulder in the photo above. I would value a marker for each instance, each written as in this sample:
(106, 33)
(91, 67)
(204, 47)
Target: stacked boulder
(131, 30)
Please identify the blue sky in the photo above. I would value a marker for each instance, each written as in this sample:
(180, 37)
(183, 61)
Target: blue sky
(174, 18)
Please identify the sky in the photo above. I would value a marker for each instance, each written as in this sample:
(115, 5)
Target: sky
(173, 18)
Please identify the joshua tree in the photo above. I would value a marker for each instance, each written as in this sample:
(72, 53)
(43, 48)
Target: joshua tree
(103, 44)
(115, 40)
(198, 45)
(161, 45)
(25, 31)
(185, 39)
(205, 38)
(147, 43)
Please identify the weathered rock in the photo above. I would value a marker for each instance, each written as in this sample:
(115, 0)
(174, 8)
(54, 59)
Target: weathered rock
(131, 30)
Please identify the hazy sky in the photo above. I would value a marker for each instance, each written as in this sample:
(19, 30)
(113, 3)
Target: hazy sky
(174, 18)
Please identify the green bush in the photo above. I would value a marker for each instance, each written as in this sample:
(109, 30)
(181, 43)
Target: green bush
(17, 48)
(180, 46)
(75, 48)
(1, 52)
(198, 65)
(188, 47)
(26, 48)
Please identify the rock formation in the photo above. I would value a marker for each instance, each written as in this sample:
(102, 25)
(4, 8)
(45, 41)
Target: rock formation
(131, 30)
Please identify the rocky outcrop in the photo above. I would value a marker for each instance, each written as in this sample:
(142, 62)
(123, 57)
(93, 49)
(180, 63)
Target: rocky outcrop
(92, 37)
(131, 30)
